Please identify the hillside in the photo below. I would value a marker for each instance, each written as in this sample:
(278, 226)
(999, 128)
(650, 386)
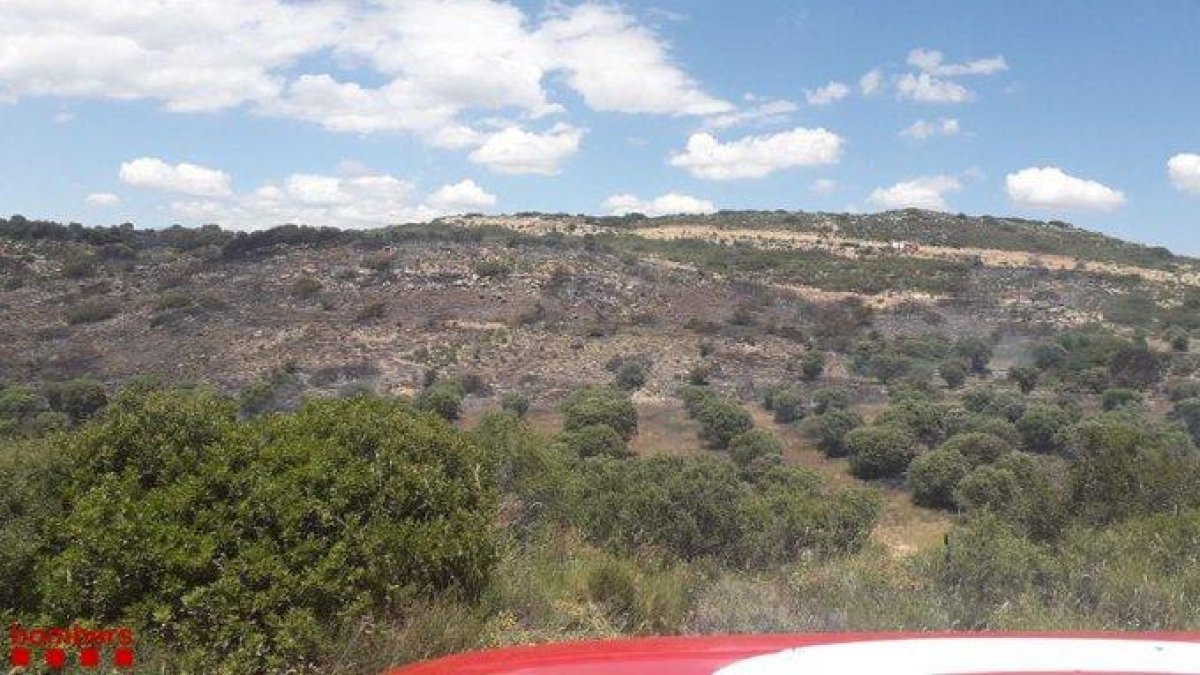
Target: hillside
(737, 422)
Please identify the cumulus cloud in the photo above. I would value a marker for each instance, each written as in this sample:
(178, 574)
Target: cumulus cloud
(756, 156)
(1052, 188)
(1184, 170)
(102, 199)
(921, 130)
(428, 67)
(934, 63)
(618, 65)
(927, 192)
(354, 202)
(514, 150)
(190, 179)
(924, 88)
(830, 93)
(932, 82)
(670, 203)
(461, 197)
(871, 82)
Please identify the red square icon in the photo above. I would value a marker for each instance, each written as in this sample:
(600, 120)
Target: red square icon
(19, 657)
(55, 658)
(89, 658)
(123, 657)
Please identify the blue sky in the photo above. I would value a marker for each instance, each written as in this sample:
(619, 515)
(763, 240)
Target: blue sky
(359, 114)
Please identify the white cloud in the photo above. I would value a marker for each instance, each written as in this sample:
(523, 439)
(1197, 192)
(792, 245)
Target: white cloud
(933, 62)
(464, 196)
(925, 88)
(190, 179)
(102, 199)
(926, 192)
(356, 202)
(1051, 188)
(767, 112)
(670, 203)
(514, 150)
(871, 82)
(830, 93)
(921, 130)
(823, 186)
(757, 156)
(1184, 170)
(618, 65)
(426, 67)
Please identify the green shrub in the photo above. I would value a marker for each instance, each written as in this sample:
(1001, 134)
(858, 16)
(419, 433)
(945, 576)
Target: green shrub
(828, 398)
(276, 531)
(977, 447)
(687, 507)
(987, 562)
(829, 430)
(787, 405)
(1179, 339)
(443, 398)
(721, 419)
(515, 403)
(1121, 398)
(371, 312)
(927, 420)
(880, 451)
(1026, 377)
(993, 401)
(173, 298)
(812, 365)
(695, 397)
(1187, 411)
(305, 287)
(1183, 389)
(700, 374)
(493, 268)
(954, 373)
(18, 403)
(537, 478)
(80, 398)
(631, 375)
(92, 311)
(1041, 426)
(593, 405)
(1023, 489)
(934, 476)
(596, 440)
(756, 444)
(976, 351)
(1129, 464)
(1135, 367)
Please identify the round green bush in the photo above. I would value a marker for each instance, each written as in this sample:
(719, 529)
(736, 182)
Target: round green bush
(978, 448)
(80, 398)
(934, 475)
(987, 487)
(600, 405)
(787, 405)
(753, 445)
(1041, 428)
(597, 440)
(828, 398)
(1120, 398)
(812, 365)
(515, 403)
(443, 399)
(880, 451)
(721, 419)
(829, 430)
(954, 373)
(258, 541)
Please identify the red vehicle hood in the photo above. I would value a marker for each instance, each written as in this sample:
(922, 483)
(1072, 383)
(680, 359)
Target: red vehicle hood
(818, 654)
